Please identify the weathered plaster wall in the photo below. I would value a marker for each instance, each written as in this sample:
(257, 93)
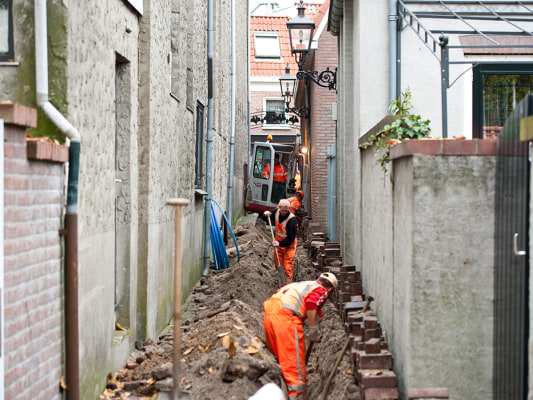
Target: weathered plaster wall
(427, 244)
(97, 34)
(376, 228)
(348, 171)
(450, 276)
(111, 74)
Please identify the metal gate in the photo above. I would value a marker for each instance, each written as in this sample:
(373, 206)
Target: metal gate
(511, 275)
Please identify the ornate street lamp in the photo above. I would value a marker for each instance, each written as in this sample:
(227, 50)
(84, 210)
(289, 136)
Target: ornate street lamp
(288, 84)
(301, 35)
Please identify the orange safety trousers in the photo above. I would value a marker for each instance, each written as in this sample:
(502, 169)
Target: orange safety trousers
(286, 258)
(285, 339)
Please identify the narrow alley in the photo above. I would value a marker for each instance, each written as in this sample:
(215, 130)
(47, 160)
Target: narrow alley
(225, 312)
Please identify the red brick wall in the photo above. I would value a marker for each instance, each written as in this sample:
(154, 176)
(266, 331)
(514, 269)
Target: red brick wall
(323, 128)
(33, 313)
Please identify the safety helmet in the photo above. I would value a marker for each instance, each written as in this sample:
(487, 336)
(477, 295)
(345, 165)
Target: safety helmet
(269, 137)
(331, 278)
(301, 193)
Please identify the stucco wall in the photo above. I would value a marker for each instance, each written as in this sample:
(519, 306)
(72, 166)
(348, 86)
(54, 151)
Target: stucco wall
(427, 245)
(450, 273)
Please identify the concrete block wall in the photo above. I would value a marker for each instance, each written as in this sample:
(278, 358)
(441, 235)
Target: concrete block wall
(33, 198)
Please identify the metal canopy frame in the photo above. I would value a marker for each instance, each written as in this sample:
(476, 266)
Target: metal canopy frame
(506, 19)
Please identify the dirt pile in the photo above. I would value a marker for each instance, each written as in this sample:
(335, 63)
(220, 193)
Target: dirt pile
(223, 346)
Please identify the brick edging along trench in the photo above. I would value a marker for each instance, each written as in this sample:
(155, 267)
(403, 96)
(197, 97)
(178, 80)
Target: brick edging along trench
(370, 355)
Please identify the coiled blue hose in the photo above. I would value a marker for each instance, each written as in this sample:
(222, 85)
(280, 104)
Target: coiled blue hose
(217, 242)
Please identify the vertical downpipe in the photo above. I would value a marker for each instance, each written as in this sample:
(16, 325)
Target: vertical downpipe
(71, 220)
(2, 302)
(71, 275)
(393, 17)
(209, 139)
(232, 139)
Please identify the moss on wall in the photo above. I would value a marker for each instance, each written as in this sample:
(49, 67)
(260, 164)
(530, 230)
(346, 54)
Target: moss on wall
(24, 85)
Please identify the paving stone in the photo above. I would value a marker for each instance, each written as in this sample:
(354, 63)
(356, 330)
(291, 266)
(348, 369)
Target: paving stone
(377, 378)
(381, 394)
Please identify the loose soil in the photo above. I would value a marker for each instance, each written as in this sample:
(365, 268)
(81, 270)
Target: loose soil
(224, 355)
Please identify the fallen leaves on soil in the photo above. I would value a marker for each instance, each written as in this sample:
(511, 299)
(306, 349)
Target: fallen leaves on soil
(224, 355)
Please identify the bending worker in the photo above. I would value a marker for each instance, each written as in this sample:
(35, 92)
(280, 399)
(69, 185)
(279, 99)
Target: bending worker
(285, 313)
(296, 201)
(285, 236)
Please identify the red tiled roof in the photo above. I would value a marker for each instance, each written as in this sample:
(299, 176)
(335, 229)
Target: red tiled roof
(478, 40)
(277, 67)
(321, 13)
(278, 24)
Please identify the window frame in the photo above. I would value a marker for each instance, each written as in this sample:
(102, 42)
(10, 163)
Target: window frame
(262, 56)
(281, 125)
(9, 55)
(490, 68)
(199, 148)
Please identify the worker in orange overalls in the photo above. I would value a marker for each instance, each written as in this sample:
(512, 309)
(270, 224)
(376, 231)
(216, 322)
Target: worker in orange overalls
(296, 201)
(296, 204)
(280, 178)
(285, 236)
(285, 313)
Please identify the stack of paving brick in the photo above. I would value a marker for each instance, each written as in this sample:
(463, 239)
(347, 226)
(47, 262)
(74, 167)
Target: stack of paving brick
(372, 360)
(369, 350)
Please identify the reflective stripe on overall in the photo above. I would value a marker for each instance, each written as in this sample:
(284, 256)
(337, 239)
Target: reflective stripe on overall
(285, 254)
(284, 315)
(281, 227)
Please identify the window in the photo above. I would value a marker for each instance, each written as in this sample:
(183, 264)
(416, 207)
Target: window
(262, 158)
(275, 111)
(497, 89)
(266, 45)
(6, 31)
(199, 145)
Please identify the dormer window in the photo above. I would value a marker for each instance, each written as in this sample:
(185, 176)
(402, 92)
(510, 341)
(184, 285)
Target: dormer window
(266, 45)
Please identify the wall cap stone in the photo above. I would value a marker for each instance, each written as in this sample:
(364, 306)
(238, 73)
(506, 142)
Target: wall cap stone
(45, 150)
(17, 114)
(441, 147)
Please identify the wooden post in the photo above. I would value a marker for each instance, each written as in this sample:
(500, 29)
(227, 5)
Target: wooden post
(178, 204)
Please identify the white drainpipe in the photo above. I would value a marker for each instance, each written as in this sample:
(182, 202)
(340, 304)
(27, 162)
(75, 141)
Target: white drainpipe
(72, 365)
(2, 295)
(41, 61)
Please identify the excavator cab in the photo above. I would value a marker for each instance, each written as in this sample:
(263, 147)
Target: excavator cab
(260, 190)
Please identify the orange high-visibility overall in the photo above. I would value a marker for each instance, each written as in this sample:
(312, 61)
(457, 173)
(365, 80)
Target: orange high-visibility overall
(295, 204)
(284, 315)
(280, 173)
(286, 254)
(265, 174)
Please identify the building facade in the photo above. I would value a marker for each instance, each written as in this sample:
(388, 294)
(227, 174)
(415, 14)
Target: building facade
(133, 79)
(412, 235)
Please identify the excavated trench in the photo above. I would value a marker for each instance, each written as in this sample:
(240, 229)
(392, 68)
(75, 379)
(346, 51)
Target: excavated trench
(223, 350)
